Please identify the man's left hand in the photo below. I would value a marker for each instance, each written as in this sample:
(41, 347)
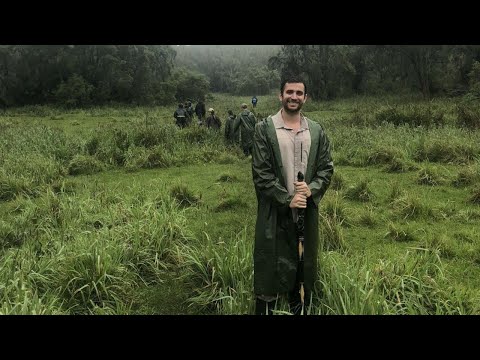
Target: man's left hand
(302, 187)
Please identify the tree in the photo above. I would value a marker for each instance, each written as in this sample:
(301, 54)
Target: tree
(76, 91)
(326, 68)
(419, 62)
(189, 84)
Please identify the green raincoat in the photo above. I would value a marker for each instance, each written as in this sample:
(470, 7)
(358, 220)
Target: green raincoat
(276, 249)
(246, 123)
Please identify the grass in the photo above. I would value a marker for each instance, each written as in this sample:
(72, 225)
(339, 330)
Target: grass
(383, 227)
(169, 297)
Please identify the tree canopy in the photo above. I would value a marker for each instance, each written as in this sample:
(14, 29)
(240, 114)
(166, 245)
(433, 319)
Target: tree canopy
(84, 75)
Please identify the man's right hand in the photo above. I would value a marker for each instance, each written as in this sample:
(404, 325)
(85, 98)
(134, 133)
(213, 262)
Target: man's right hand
(299, 201)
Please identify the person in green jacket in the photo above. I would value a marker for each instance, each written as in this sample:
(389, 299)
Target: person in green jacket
(246, 122)
(231, 137)
(283, 145)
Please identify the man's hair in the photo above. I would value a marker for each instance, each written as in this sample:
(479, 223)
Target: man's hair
(292, 79)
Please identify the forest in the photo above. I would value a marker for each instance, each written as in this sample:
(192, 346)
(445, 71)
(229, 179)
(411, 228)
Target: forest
(75, 76)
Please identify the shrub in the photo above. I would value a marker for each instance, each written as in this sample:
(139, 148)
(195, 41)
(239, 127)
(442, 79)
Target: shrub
(368, 218)
(465, 177)
(184, 196)
(383, 156)
(360, 192)
(397, 165)
(468, 117)
(429, 176)
(397, 234)
(84, 165)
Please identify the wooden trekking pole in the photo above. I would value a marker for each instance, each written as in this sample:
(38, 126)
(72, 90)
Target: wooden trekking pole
(301, 237)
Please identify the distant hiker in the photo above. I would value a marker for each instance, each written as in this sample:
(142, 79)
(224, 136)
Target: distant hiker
(254, 101)
(246, 123)
(231, 136)
(190, 110)
(180, 116)
(187, 113)
(213, 121)
(200, 111)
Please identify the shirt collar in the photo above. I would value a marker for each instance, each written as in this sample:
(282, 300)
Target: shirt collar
(280, 124)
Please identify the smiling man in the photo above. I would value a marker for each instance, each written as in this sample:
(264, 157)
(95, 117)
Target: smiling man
(284, 145)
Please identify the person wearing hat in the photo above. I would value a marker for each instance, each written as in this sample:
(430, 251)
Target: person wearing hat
(213, 121)
(246, 124)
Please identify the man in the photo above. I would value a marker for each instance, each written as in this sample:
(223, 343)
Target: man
(231, 136)
(254, 101)
(213, 121)
(246, 123)
(200, 111)
(180, 116)
(189, 110)
(285, 144)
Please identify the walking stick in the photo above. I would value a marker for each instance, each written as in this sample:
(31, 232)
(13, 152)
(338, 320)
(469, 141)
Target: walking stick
(300, 235)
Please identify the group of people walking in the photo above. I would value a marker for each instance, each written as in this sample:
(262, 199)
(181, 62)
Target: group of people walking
(239, 128)
(184, 113)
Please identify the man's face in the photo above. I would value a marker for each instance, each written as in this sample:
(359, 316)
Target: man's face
(293, 97)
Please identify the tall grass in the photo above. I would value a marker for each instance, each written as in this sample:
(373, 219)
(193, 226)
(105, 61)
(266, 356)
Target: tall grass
(222, 273)
(86, 255)
(411, 284)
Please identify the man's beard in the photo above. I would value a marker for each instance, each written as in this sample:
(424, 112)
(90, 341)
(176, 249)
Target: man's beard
(290, 111)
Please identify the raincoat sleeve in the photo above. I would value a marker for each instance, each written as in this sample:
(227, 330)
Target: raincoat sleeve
(265, 180)
(323, 171)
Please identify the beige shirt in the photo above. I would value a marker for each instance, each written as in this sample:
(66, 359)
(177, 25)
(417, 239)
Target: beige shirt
(294, 149)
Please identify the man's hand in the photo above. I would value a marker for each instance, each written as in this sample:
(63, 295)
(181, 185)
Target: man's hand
(301, 187)
(299, 201)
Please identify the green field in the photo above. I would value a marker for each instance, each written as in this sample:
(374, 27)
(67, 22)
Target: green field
(116, 211)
